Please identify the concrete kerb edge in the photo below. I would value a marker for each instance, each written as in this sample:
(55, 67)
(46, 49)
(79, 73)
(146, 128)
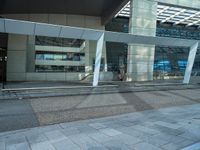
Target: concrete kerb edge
(60, 87)
(104, 92)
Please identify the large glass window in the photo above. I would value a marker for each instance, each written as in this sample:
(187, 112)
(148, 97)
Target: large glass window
(48, 56)
(39, 57)
(63, 42)
(170, 61)
(53, 68)
(58, 57)
(54, 56)
(68, 56)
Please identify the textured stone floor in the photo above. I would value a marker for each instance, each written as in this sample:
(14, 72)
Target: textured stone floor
(27, 113)
(161, 129)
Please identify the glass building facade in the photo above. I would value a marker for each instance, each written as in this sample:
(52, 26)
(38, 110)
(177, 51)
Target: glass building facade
(169, 61)
(57, 59)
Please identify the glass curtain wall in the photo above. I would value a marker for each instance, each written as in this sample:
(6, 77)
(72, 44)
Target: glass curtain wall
(57, 58)
(170, 62)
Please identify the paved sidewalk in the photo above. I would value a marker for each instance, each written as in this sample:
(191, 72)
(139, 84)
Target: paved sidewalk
(167, 128)
(27, 113)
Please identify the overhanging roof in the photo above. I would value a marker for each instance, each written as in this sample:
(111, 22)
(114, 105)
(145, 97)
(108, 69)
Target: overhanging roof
(106, 9)
(103, 8)
(43, 29)
(34, 28)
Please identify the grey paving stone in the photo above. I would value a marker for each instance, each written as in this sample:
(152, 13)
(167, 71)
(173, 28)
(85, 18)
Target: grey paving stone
(191, 134)
(126, 123)
(99, 137)
(189, 125)
(135, 133)
(169, 125)
(42, 146)
(192, 147)
(110, 132)
(112, 123)
(196, 121)
(155, 141)
(54, 136)
(11, 147)
(15, 140)
(170, 146)
(70, 131)
(86, 142)
(186, 143)
(65, 145)
(127, 139)
(167, 130)
(170, 138)
(2, 145)
(20, 146)
(176, 146)
(36, 138)
(145, 146)
(87, 129)
(116, 145)
(92, 134)
(146, 129)
(135, 122)
(97, 125)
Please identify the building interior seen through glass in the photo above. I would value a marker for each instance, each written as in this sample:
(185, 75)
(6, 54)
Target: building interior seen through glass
(69, 55)
(169, 62)
(59, 55)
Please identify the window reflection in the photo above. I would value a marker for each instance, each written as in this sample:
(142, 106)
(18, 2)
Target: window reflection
(170, 61)
(60, 56)
(53, 68)
(53, 41)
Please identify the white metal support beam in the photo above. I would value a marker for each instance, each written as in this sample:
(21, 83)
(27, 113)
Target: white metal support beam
(188, 4)
(195, 22)
(190, 63)
(171, 13)
(162, 10)
(174, 15)
(187, 18)
(99, 50)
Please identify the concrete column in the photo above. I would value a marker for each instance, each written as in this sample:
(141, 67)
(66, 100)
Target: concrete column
(89, 55)
(104, 55)
(140, 58)
(30, 54)
(16, 63)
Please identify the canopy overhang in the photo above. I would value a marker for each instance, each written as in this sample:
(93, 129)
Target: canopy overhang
(50, 30)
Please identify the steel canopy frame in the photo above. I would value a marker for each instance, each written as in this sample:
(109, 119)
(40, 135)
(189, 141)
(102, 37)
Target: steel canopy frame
(60, 31)
(169, 13)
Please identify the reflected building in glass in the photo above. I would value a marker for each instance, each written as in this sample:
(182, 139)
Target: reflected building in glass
(169, 62)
